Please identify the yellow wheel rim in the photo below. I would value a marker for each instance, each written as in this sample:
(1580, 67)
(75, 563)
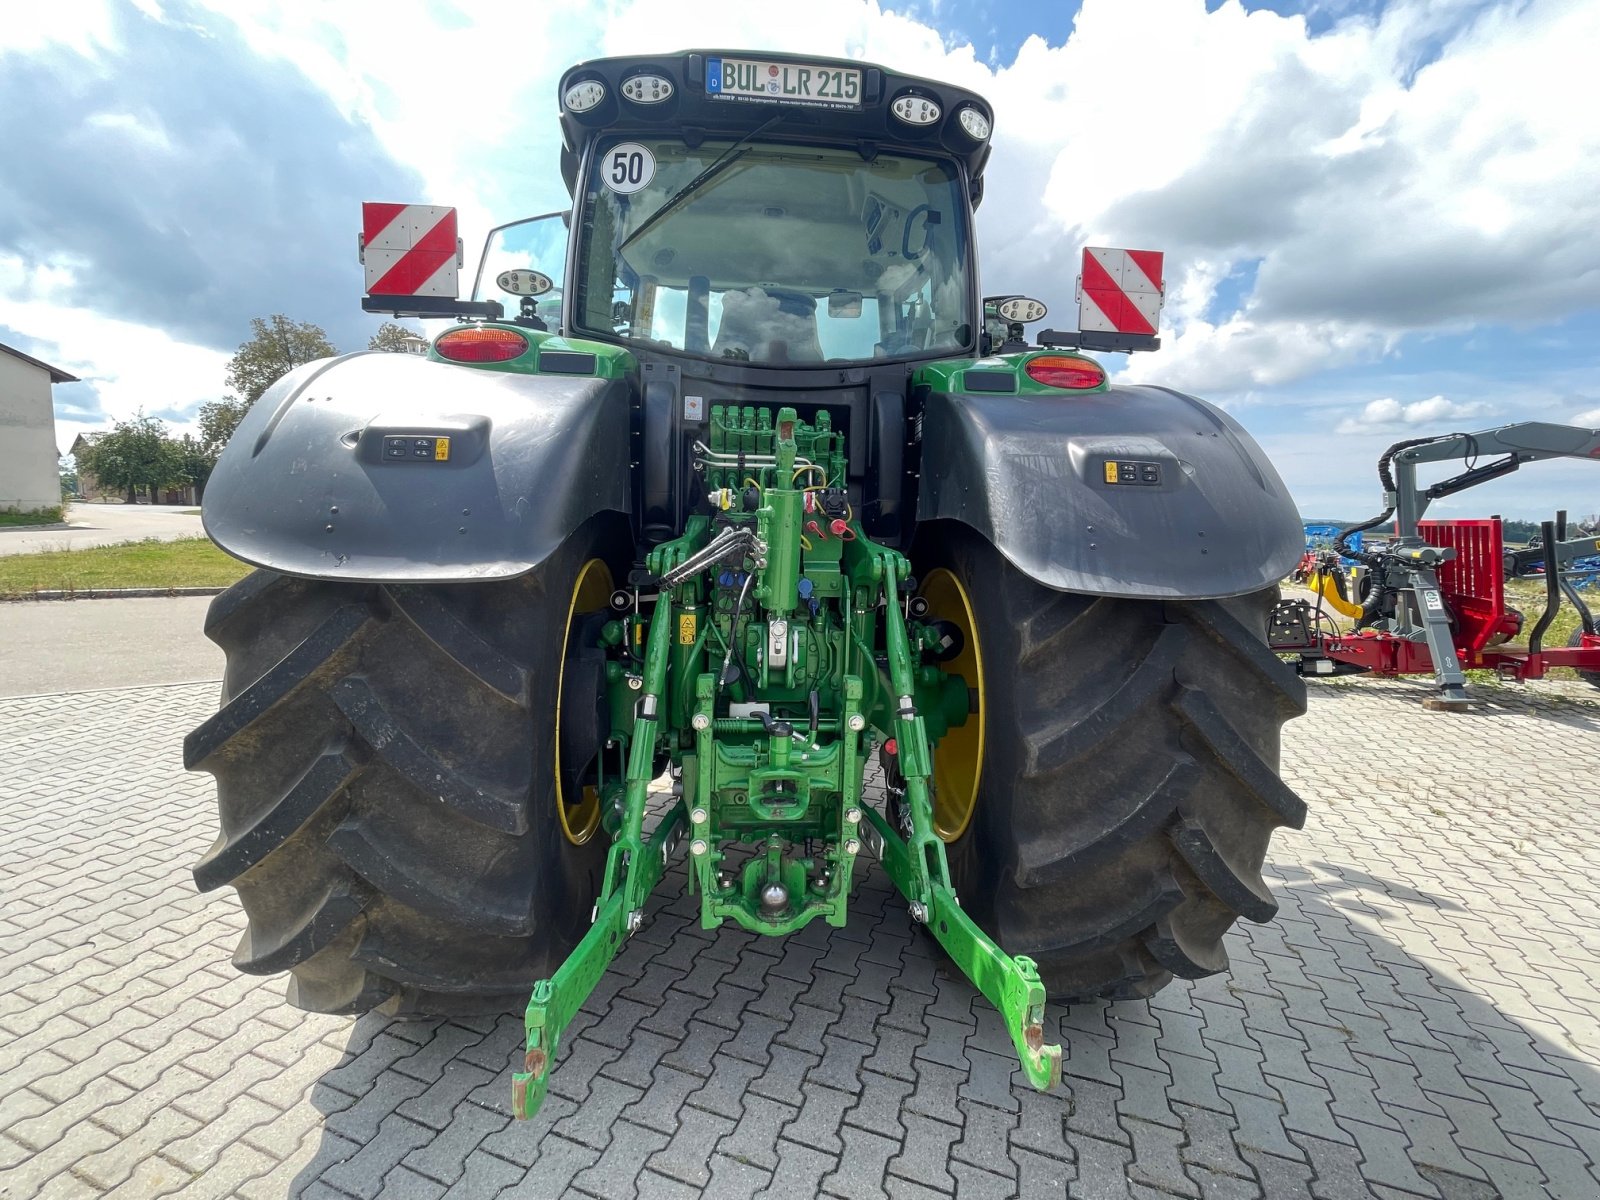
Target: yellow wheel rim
(580, 816)
(958, 758)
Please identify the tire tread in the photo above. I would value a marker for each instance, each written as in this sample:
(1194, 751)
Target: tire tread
(382, 817)
(1130, 785)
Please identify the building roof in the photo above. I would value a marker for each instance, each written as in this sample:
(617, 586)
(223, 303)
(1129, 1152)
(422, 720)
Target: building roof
(57, 375)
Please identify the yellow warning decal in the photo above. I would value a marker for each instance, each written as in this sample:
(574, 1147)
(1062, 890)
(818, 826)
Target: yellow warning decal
(686, 627)
(1111, 471)
(441, 449)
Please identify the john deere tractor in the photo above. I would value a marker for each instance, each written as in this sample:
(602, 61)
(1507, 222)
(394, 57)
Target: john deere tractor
(749, 493)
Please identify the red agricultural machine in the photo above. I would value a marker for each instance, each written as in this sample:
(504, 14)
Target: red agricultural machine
(1433, 598)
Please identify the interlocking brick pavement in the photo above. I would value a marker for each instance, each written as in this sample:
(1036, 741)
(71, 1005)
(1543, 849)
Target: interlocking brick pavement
(1422, 1019)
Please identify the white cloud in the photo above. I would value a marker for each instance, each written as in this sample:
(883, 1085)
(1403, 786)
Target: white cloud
(1378, 202)
(1244, 352)
(1588, 420)
(466, 96)
(1370, 197)
(131, 366)
(84, 25)
(1388, 413)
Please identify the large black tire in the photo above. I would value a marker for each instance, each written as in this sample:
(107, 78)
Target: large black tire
(1129, 782)
(389, 812)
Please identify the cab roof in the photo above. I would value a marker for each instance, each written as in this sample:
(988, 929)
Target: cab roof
(698, 114)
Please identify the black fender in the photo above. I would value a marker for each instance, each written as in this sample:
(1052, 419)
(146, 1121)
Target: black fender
(308, 484)
(1029, 474)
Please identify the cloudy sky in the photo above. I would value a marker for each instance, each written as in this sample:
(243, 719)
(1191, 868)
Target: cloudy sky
(1380, 219)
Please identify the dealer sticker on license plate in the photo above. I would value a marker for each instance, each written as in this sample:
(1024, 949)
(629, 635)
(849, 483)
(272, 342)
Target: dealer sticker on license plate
(785, 83)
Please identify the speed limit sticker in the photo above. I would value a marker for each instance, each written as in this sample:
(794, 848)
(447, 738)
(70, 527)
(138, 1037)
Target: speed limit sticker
(628, 168)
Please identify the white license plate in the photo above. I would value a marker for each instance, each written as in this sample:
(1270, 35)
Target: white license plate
(785, 83)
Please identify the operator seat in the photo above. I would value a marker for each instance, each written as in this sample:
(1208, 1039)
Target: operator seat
(768, 326)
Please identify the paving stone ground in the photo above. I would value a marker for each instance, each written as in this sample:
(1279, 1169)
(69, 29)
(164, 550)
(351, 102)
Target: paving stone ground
(1422, 1019)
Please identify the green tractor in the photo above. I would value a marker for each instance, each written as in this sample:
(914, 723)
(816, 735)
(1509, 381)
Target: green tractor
(753, 492)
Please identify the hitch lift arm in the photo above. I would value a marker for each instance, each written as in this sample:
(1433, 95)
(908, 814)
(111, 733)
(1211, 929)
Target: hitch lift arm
(764, 779)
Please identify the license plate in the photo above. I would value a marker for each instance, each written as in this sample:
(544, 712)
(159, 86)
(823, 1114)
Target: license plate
(784, 83)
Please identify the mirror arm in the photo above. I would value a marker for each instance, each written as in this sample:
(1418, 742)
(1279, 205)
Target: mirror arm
(528, 314)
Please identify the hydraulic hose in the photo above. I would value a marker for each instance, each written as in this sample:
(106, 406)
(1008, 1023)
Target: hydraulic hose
(1387, 479)
(729, 546)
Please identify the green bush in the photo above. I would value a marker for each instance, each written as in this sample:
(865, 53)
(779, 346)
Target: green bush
(42, 516)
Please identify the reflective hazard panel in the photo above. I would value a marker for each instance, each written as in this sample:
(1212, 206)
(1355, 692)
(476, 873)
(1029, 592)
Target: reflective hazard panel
(409, 249)
(1120, 291)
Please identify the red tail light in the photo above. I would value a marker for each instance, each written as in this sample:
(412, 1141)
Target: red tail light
(481, 345)
(1065, 371)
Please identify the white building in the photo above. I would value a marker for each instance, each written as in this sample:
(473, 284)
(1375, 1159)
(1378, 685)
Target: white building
(29, 474)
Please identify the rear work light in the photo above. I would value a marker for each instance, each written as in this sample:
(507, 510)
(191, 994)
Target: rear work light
(584, 95)
(915, 110)
(974, 122)
(479, 345)
(647, 89)
(1065, 371)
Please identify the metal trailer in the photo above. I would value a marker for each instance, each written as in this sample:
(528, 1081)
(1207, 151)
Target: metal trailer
(1437, 601)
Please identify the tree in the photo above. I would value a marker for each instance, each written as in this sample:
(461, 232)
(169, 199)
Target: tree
(218, 420)
(136, 454)
(195, 463)
(397, 338)
(278, 346)
(69, 475)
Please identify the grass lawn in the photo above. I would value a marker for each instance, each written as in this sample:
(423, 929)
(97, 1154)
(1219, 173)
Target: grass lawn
(192, 562)
(48, 516)
(1528, 596)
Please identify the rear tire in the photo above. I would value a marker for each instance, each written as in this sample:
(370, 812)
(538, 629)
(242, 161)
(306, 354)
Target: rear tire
(389, 808)
(1129, 782)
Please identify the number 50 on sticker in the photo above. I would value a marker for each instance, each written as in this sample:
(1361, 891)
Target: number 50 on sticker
(628, 168)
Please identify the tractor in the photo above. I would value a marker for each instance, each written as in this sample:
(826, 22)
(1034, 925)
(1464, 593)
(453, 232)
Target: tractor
(752, 492)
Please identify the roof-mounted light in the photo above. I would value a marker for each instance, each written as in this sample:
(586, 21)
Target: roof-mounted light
(915, 110)
(1024, 310)
(647, 89)
(974, 122)
(584, 95)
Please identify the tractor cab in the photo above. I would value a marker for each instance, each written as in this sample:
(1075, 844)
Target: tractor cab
(772, 212)
(785, 230)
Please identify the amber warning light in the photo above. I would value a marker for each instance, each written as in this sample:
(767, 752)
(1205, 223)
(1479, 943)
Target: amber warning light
(481, 345)
(1065, 371)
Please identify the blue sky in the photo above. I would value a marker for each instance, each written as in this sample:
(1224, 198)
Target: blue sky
(1380, 219)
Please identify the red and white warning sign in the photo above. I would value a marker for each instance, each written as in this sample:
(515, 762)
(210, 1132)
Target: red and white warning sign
(1120, 291)
(410, 249)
